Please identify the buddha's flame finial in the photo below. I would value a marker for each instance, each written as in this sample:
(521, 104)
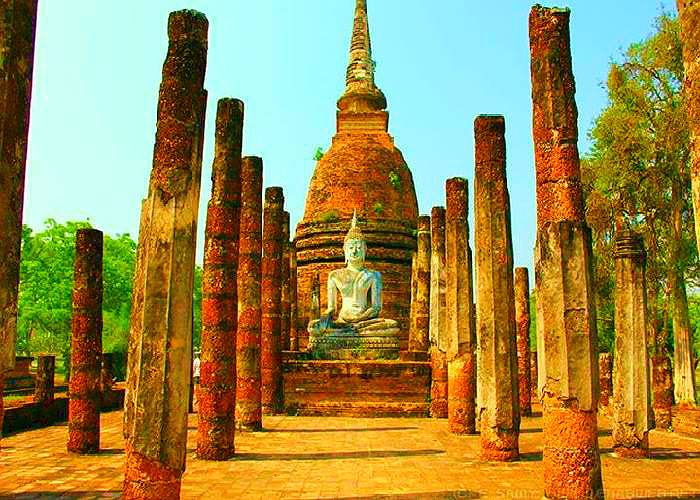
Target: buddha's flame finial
(354, 233)
(359, 78)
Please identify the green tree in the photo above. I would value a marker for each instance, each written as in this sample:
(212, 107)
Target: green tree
(636, 176)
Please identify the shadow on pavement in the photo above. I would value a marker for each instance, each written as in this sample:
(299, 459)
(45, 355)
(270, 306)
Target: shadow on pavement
(341, 455)
(432, 495)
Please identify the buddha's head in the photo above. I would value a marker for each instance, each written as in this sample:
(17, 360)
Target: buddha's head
(355, 247)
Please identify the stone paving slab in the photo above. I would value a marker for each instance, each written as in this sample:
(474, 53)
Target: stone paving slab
(345, 458)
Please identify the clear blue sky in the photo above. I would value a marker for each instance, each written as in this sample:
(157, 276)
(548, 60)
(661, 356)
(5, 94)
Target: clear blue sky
(98, 67)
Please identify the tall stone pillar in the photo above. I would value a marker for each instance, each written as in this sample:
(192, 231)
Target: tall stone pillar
(248, 384)
(495, 317)
(534, 392)
(84, 390)
(418, 338)
(605, 379)
(286, 305)
(293, 316)
(17, 29)
(632, 394)
(271, 339)
(44, 388)
(461, 337)
(689, 18)
(662, 381)
(522, 325)
(216, 395)
(438, 315)
(158, 378)
(566, 323)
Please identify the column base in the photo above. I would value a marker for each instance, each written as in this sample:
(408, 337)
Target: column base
(438, 387)
(625, 452)
(570, 458)
(460, 395)
(146, 479)
(249, 426)
(83, 426)
(498, 445)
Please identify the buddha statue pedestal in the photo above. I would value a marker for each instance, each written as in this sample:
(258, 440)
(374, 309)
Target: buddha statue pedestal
(357, 332)
(371, 339)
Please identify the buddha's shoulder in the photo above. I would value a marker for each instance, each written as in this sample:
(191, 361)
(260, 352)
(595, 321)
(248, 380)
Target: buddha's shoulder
(372, 273)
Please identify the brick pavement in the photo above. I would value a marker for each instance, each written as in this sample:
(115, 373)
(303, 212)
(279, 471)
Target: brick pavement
(347, 458)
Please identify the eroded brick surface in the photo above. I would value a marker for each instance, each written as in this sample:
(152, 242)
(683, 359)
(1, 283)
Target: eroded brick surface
(271, 296)
(86, 344)
(217, 386)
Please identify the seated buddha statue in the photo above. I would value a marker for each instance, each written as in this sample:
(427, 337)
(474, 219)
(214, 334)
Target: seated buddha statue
(361, 296)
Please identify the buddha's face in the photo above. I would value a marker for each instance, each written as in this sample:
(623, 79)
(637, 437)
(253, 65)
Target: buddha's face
(355, 251)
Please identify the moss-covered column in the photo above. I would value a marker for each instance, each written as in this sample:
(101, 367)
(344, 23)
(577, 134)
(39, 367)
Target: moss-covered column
(248, 383)
(605, 369)
(461, 342)
(495, 317)
(84, 391)
(286, 305)
(522, 326)
(632, 394)
(566, 324)
(293, 316)
(418, 338)
(44, 388)
(216, 395)
(271, 335)
(160, 337)
(438, 315)
(662, 382)
(17, 30)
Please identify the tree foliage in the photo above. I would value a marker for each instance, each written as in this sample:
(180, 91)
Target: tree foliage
(636, 176)
(46, 283)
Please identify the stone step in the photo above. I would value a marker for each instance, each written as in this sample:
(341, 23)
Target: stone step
(369, 409)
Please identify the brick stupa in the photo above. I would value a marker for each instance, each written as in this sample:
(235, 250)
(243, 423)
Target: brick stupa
(364, 171)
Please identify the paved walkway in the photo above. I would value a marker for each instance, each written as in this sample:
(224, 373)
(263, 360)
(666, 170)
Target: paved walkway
(310, 457)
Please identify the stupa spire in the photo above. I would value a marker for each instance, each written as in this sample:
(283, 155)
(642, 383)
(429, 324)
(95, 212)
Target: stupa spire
(361, 93)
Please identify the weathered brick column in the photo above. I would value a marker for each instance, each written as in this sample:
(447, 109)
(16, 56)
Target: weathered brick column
(86, 344)
(689, 19)
(44, 388)
(662, 383)
(158, 378)
(286, 305)
(534, 392)
(418, 337)
(498, 362)
(461, 337)
(216, 395)
(522, 325)
(248, 384)
(566, 326)
(17, 29)
(632, 394)
(605, 369)
(271, 335)
(438, 315)
(293, 317)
